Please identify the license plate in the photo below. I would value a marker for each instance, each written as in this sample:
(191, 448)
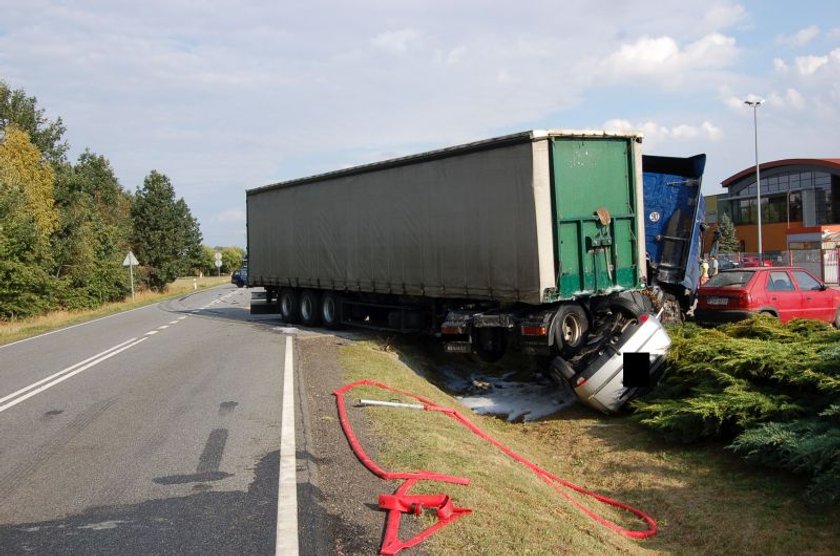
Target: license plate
(717, 300)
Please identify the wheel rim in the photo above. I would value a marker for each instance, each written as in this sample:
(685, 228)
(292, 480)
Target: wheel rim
(571, 329)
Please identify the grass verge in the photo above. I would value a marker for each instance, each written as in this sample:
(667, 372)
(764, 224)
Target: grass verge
(12, 331)
(704, 501)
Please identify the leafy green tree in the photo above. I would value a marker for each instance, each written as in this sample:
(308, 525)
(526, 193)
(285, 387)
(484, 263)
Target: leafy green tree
(18, 109)
(166, 238)
(727, 241)
(27, 220)
(231, 258)
(94, 232)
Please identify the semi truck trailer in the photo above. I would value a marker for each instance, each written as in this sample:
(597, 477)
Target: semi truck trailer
(533, 240)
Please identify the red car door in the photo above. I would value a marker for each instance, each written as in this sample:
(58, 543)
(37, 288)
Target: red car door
(817, 301)
(782, 295)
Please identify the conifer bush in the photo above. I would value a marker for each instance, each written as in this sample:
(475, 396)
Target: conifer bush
(772, 391)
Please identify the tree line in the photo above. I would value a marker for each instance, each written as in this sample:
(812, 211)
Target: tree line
(66, 226)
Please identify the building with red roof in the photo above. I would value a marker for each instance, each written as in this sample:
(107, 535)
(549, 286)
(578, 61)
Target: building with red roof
(800, 212)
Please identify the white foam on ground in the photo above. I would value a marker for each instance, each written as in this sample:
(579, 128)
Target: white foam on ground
(504, 397)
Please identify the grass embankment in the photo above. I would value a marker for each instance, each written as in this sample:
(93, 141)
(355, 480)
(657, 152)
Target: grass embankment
(12, 331)
(705, 501)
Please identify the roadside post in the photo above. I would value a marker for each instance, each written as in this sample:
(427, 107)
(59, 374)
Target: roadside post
(218, 257)
(131, 261)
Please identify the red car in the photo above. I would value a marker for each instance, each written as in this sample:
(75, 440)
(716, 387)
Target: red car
(751, 260)
(782, 291)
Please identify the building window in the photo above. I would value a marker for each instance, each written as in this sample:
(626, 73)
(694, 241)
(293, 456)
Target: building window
(795, 206)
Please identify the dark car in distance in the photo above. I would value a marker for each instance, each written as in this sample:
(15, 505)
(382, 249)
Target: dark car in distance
(239, 277)
(781, 291)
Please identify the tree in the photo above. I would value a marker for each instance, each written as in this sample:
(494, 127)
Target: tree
(94, 232)
(166, 238)
(27, 220)
(22, 111)
(727, 242)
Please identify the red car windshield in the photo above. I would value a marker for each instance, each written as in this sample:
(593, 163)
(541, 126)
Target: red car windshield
(730, 279)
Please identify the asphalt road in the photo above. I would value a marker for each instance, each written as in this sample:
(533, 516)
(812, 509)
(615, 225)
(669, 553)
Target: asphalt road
(155, 431)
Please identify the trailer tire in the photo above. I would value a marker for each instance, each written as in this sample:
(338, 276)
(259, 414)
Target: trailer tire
(570, 328)
(626, 307)
(289, 306)
(310, 314)
(489, 344)
(331, 310)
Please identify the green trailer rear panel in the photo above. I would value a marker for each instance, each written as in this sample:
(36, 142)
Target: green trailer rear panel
(595, 198)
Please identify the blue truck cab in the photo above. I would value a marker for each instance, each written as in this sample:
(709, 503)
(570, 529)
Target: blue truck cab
(674, 224)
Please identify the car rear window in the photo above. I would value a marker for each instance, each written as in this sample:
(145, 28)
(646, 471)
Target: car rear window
(730, 278)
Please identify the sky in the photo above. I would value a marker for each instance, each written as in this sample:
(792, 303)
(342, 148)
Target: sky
(224, 96)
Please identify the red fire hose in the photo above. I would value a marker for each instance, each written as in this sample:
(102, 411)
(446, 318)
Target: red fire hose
(400, 502)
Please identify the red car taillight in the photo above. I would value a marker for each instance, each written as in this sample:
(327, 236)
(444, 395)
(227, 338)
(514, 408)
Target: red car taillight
(741, 300)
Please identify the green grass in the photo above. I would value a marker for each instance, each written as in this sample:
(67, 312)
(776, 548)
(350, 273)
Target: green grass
(12, 331)
(705, 501)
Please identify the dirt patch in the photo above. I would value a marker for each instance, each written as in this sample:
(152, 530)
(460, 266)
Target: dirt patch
(343, 517)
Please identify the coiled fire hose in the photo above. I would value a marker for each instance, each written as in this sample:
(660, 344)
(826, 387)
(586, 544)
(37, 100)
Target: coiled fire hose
(401, 502)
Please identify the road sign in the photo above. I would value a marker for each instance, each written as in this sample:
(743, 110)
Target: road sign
(130, 260)
(218, 257)
(218, 263)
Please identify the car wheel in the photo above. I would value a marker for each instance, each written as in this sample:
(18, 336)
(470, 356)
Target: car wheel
(289, 306)
(837, 318)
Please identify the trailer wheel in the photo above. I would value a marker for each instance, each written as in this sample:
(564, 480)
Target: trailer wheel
(570, 328)
(289, 306)
(309, 314)
(331, 310)
(489, 344)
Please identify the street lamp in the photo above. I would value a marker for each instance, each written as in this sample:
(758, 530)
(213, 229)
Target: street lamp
(754, 103)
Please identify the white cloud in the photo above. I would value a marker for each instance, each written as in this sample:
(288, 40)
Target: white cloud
(779, 65)
(801, 37)
(791, 98)
(662, 58)
(722, 16)
(397, 42)
(452, 56)
(711, 131)
(808, 65)
(656, 133)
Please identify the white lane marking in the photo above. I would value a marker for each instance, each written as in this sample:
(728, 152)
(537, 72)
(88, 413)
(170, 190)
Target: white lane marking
(174, 321)
(88, 363)
(163, 327)
(182, 318)
(75, 326)
(286, 539)
(61, 372)
(151, 333)
(10, 344)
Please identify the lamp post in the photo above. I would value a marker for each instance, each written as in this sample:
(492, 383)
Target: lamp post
(755, 103)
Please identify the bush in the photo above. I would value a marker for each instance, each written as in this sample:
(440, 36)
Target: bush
(771, 390)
